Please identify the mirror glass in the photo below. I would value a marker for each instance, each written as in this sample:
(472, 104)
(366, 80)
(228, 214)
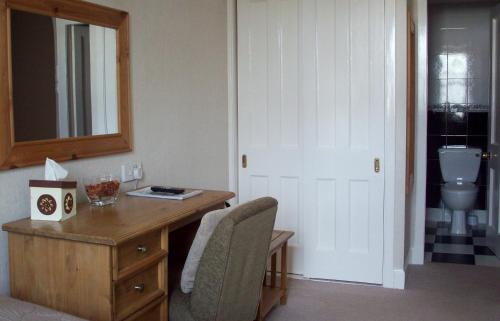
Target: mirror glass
(64, 78)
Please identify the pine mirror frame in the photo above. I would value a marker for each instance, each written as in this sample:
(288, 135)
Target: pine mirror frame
(22, 154)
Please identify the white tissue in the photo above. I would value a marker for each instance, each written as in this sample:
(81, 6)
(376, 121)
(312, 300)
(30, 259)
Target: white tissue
(54, 171)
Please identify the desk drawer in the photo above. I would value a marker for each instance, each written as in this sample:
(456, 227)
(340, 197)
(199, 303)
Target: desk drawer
(138, 291)
(156, 311)
(138, 249)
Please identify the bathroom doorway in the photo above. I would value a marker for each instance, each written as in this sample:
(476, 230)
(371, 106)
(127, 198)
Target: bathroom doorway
(460, 60)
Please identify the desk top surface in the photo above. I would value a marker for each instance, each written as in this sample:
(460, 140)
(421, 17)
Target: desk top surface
(115, 224)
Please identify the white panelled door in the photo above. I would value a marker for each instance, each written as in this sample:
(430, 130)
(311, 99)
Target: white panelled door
(343, 59)
(311, 124)
(268, 111)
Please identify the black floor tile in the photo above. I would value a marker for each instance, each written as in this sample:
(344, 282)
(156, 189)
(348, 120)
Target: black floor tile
(453, 239)
(453, 258)
(479, 233)
(480, 250)
(430, 230)
(429, 247)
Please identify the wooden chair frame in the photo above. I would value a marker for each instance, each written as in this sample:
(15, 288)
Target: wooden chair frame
(20, 154)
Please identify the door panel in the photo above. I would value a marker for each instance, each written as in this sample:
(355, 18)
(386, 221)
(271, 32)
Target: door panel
(311, 121)
(343, 61)
(268, 111)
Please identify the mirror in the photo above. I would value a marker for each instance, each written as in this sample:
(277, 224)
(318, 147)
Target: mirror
(64, 81)
(64, 78)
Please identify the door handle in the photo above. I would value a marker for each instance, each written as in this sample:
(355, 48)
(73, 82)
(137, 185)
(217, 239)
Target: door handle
(488, 155)
(376, 165)
(244, 162)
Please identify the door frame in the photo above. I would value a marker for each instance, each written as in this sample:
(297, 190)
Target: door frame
(418, 197)
(394, 136)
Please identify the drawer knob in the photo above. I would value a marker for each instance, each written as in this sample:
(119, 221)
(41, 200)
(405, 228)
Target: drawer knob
(142, 249)
(139, 287)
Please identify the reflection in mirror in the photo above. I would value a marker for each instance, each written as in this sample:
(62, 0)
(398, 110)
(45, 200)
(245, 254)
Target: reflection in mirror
(64, 78)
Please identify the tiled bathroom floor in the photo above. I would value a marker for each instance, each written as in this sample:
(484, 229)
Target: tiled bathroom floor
(470, 249)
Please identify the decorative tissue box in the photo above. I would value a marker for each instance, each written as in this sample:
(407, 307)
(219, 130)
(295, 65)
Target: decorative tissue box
(52, 200)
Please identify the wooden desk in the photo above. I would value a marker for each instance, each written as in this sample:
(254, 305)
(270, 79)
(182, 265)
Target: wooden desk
(106, 263)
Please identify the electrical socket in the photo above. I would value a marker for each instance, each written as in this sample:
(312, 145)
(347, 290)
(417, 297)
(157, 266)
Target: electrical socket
(131, 172)
(137, 170)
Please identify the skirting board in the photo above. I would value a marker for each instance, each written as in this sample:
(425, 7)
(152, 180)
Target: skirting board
(442, 215)
(415, 256)
(399, 279)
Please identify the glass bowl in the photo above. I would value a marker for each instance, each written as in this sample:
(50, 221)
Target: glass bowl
(102, 190)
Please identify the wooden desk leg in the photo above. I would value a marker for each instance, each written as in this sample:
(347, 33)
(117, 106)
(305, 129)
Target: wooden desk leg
(284, 274)
(273, 270)
(163, 273)
(260, 317)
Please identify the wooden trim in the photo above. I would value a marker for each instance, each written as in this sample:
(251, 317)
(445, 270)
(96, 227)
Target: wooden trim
(164, 274)
(195, 216)
(410, 108)
(52, 184)
(77, 10)
(21, 154)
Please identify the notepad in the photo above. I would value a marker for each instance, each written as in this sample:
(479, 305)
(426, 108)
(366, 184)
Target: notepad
(147, 192)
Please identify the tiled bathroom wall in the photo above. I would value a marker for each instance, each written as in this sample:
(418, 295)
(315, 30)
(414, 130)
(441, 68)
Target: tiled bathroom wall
(459, 87)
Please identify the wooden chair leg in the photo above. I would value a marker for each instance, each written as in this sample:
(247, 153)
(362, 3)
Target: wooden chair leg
(273, 270)
(284, 274)
(264, 282)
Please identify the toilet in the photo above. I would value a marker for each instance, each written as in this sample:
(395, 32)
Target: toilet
(459, 167)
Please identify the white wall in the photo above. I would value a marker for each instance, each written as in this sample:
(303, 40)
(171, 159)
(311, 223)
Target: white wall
(415, 253)
(394, 213)
(412, 197)
(179, 98)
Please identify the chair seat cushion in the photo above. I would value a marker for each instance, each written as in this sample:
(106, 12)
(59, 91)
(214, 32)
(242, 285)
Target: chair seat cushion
(179, 307)
(207, 226)
(16, 310)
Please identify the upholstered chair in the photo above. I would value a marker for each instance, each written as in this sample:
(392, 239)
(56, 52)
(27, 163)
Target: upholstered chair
(229, 278)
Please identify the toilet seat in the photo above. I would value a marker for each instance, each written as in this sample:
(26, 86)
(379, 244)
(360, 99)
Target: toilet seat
(460, 188)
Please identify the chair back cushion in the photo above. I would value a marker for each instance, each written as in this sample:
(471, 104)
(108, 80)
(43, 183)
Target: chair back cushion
(207, 226)
(229, 279)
